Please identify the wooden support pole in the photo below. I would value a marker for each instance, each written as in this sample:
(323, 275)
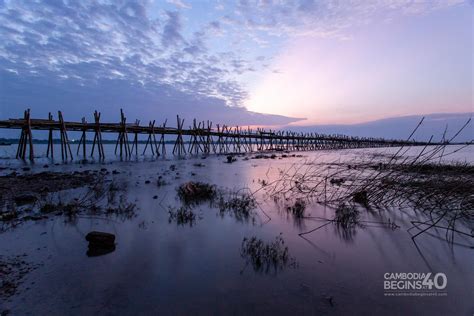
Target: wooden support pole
(135, 139)
(179, 143)
(82, 140)
(30, 136)
(162, 139)
(202, 138)
(97, 137)
(65, 146)
(50, 148)
(151, 131)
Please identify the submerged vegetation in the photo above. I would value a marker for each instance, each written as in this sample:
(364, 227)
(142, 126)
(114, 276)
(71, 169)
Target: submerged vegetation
(239, 205)
(423, 181)
(346, 216)
(78, 194)
(193, 193)
(182, 216)
(266, 256)
(298, 208)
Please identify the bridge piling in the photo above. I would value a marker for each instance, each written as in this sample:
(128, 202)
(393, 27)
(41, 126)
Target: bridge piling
(202, 137)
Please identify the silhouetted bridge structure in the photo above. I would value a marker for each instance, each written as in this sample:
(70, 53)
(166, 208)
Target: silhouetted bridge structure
(201, 138)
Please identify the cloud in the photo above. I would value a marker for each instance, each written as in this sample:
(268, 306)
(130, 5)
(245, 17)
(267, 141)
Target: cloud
(144, 102)
(87, 45)
(89, 41)
(172, 29)
(179, 4)
(324, 18)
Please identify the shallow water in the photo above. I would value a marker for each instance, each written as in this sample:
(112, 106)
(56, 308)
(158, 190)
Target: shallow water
(160, 267)
(7, 153)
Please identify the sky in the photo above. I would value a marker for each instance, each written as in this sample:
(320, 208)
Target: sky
(264, 63)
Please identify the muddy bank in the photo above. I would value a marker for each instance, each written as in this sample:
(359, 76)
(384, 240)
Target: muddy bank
(37, 184)
(38, 196)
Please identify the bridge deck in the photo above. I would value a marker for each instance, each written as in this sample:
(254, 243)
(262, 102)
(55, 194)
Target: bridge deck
(203, 138)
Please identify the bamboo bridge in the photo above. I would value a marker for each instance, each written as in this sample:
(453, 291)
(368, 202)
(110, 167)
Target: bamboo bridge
(201, 138)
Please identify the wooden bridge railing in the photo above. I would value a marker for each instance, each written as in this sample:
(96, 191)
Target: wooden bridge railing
(202, 137)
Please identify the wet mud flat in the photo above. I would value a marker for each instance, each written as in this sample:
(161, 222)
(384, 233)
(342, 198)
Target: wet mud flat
(218, 235)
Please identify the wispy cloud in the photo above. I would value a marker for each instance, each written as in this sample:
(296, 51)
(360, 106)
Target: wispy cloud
(180, 4)
(325, 18)
(82, 43)
(89, 41)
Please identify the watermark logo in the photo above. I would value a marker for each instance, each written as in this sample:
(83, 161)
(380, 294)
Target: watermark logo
(415, 284)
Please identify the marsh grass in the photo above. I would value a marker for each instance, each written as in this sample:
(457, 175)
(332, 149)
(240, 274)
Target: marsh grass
(347, 216)
(240, 205)
(182, 216)
(266, 256)
(193, 193)
(298, 208)
(441, 192)
(97, 198)
(123, 209)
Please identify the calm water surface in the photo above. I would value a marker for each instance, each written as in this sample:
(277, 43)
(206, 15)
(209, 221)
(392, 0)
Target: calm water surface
(159, 267)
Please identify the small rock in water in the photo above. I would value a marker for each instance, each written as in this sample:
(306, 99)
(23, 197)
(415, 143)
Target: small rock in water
(45, 166)
(100, 243)
(231, 159)
(100, 238)
(97, 251)
(26, 169)
(115, 172)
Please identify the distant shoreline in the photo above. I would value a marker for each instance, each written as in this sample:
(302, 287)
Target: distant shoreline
(12, 141)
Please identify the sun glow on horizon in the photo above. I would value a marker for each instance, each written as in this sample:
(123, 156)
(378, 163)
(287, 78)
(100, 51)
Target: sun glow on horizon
(379, 72)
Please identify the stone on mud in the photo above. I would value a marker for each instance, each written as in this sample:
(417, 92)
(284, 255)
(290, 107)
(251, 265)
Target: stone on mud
(100, 243)
(100, 239)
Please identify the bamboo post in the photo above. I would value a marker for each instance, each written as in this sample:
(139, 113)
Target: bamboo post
(135, 139)
(219, 139)
(50, 138)
(65, 146)
(97, 137)
(19, 151)
(82, 140)
(162, 139)
(26, 137)
(226, 139)
(122, 138)
(30, 136)
(151, 131)
(179, 143)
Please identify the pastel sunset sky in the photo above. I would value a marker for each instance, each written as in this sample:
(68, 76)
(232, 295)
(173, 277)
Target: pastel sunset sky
(239, 62)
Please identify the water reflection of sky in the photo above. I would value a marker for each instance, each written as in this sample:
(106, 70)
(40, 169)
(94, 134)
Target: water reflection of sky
(169, 269)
